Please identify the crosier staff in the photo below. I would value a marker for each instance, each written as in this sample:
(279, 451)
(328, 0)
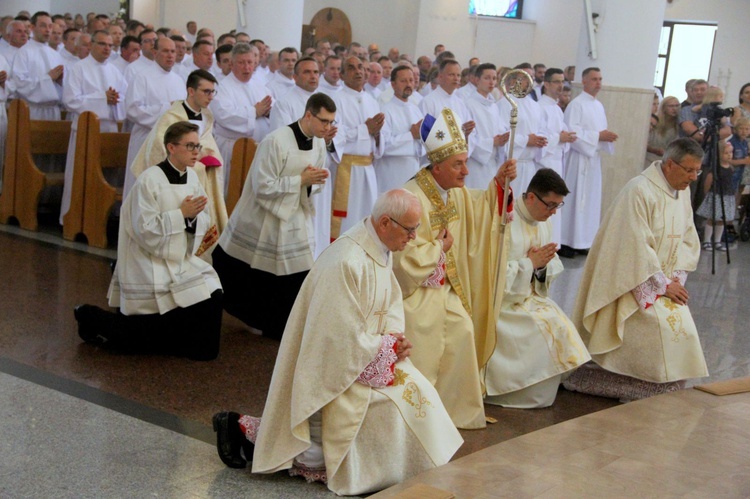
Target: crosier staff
(519, 85)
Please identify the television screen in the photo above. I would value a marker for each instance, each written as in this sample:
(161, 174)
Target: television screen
(496, 8)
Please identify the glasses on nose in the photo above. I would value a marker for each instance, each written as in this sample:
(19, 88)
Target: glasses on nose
(410, 231)
(326, 122)
(208, 91)
(689, 171)
(549, 206)
(190, 146)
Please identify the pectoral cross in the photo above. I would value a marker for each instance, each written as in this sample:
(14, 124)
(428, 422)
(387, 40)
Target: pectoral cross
(381, 316)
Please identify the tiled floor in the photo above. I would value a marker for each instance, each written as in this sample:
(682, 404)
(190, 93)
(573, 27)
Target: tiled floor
(81, 422)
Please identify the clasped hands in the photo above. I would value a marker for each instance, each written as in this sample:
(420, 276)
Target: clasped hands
(540, 256)
(677, 292)
(403, 346)
(311, 175)
(192, 206)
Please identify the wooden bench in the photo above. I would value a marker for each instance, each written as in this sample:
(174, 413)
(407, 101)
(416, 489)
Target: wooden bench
(92, 196)
(23, 181)
(242, 157)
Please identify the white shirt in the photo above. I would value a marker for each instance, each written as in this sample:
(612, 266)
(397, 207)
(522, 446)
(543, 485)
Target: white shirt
(234, 110)
(30, 75)
(278, 84)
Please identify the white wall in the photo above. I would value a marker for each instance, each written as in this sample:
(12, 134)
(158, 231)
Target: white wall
(558, 25)
(11, 7)
(219, 15)
(731, 46)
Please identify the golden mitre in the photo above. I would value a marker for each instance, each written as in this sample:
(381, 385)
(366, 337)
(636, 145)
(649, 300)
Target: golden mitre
(443, 136)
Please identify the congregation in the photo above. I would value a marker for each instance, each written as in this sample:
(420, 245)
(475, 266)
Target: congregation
(384, 234)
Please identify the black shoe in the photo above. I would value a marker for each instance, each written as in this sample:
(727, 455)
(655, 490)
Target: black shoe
(230, 440)
(88, 325)
(566, 251)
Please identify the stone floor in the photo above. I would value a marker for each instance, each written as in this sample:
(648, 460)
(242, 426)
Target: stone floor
(78, 421)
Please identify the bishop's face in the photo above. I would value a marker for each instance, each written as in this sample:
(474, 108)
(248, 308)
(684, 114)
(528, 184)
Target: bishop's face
(452, 171)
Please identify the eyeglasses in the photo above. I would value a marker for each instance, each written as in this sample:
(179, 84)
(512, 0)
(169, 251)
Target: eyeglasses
(689, 171)
(105, 44)
(191, 146)
(208, 91)
(549, 206)
(409, 230)
(327, 123)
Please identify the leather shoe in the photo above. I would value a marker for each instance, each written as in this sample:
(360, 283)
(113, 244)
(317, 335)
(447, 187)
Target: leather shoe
(230, 440)
(86, 315)
(566, 251)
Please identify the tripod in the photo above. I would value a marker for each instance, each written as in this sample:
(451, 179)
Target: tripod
(711, 148)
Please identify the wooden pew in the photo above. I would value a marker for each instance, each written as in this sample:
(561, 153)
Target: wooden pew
(92, 196)
(23, 182)
(242, 157)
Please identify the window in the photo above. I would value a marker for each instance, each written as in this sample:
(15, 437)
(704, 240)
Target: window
(685, 52)
(496, 8)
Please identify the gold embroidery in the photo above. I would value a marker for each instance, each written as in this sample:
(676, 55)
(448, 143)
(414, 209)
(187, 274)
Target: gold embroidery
(399, 377)
(669, 304)
(413, 396)
(457, 144)
(440, 216)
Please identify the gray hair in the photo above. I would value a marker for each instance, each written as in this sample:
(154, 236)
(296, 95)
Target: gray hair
(679, 148)
(241, 48)
(394, 203)
(82, 39)
(9, 27)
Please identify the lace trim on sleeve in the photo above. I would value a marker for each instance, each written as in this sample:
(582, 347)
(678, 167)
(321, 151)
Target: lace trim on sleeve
(437, 278)
(379, 372)
(648, 292)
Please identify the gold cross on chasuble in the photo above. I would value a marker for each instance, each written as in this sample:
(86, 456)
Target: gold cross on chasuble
(440, 216)
(382, 315)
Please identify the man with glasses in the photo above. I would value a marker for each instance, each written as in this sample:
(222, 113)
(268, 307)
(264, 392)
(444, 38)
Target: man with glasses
(147, 41)
(632, 308)
(169, 299)
(288, 109)
(536, 342)
(95, 85)
(269, 245)
(559, 137)
(449, 273)
(201, 89)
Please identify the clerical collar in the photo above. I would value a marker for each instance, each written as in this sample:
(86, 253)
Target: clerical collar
(374, 236)
(191, 115)
(304, 142)
(675, 193)
(443, 192)
(174, 176)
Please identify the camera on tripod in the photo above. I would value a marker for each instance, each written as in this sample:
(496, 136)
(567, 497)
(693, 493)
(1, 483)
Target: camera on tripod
(714, 111)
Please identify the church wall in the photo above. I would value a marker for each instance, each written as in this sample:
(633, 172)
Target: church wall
(731, 45)
(219, 15)
(389, 23)
(558, 26)
(12, 7)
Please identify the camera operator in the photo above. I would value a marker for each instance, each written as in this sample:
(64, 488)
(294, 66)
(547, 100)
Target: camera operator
(693, 119)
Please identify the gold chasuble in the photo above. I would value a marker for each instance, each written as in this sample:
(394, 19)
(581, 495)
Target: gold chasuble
(372, 437)
(153, 152)
(452, 326)
(647, 230)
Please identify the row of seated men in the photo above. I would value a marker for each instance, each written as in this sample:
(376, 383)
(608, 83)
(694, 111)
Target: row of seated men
(375, 141)
(417, 314)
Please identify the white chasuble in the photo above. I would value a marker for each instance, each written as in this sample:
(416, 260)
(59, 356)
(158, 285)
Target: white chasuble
(372, 437)
(535, 339)
(646, 231)
(271, 228)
